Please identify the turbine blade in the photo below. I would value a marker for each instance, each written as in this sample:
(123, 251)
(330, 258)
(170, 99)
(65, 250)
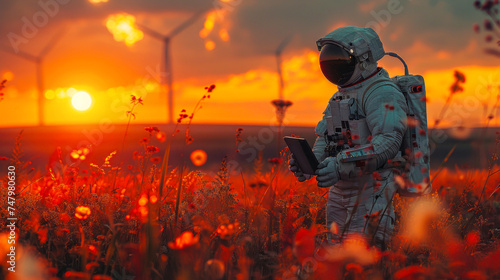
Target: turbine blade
(52, 43)
(186, 23)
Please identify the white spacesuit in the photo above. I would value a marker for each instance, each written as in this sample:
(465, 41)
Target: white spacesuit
(362, 128)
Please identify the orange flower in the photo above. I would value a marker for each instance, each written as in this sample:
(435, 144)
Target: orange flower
(185, 240)
(80, 153)
(199, 157)
(82, 212)
(143, 200)
(161, 136)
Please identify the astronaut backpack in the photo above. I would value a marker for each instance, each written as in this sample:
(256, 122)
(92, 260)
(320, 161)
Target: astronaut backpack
(414, 179)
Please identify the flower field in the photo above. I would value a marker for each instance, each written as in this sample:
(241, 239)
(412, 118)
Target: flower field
(150, 220)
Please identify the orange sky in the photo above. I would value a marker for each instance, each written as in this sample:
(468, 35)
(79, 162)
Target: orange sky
(245, 98)
(88, 59)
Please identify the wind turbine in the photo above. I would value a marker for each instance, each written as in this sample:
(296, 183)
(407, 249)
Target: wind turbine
(167, 63)
(38, 60)
(281, 104)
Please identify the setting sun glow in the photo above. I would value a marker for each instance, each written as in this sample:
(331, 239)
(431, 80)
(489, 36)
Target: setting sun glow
(81, 101)
(123, 28)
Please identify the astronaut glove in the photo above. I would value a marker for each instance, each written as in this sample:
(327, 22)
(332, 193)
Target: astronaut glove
(297, 172)
(327, 172)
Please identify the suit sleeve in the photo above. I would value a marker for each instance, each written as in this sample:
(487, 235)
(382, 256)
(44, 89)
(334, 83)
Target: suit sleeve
(385, 110)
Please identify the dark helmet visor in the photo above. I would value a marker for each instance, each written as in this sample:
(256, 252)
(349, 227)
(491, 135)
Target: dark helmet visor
(336, 64)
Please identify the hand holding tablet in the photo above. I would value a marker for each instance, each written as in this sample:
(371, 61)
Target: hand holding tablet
(302, 152)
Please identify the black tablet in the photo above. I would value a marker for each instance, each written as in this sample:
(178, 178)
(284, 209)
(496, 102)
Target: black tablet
(303, 154)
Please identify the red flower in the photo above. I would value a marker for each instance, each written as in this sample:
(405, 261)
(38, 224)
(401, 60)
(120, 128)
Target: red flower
(487, 22)
(459, 76)
(155, 159)
(152, 149)
(210, 89)
(182, 116)
(355, 137)
(389, 107)
(144, 141)
(476, 27)
(152, 129)
(472, 239)
(377, 176)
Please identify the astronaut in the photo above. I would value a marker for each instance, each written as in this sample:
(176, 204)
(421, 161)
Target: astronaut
(359, 137)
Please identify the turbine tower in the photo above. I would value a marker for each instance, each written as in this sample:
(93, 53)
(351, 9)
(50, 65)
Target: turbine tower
(167, 77)
(281, 104)
(278, 53)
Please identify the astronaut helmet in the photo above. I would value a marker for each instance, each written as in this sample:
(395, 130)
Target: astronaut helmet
(349, 54)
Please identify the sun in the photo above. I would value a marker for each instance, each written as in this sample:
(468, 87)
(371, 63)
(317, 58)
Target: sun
(81, 101)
